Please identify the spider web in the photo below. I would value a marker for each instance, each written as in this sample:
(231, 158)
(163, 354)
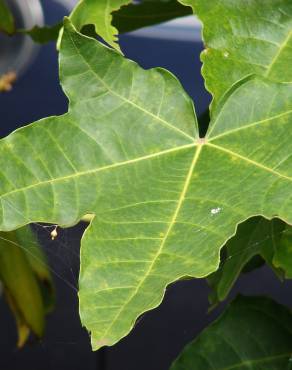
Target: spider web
(62, 247)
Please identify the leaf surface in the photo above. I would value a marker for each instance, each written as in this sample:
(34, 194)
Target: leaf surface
(252, 334)
(21, 286)
(98, 13)
(164, 201)
(283, 253)
(255, 237)
(125, 19)
(147, 13)
(44, 34)
(244, 38)
(37, 259)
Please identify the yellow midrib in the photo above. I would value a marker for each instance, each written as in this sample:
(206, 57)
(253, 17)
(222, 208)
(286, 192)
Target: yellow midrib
(171, 223)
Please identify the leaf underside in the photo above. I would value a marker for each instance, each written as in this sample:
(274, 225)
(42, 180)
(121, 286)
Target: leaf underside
(164, 200)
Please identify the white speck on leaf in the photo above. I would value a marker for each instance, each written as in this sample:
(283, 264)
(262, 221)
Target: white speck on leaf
(215, 211)
(226, 54)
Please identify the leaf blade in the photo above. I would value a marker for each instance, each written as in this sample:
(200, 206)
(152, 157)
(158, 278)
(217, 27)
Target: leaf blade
(220, 346)
(134, 169)
(99, 14)
(256, 41)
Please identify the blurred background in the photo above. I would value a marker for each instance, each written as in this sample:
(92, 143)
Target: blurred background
(159, 335)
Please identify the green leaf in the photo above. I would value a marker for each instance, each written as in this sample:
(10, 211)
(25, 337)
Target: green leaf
(242, 39)
(257, 236)
(164, 200)
(21, 287)
(6, 18)
(45, 34)
(98, 13)
(39, 265)
(147, 13)
(283, 254)
(126, 19)
(23, 330)
(252, 334)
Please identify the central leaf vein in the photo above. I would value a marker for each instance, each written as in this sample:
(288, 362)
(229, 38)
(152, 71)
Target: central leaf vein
(168, 231)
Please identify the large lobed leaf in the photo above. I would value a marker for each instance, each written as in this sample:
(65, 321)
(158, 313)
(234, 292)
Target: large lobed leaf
(164, 200)
(252, 334)
(243, 38)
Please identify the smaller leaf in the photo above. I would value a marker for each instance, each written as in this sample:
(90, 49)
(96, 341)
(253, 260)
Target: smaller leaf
(283, 255)
(243, 38)
(99, 14)
(254, 333)
(26, 295)
(23, 329)
(148, 13)
(6, 18)
(128, 18)
(45, 34)
(255, 237)
(39, 264)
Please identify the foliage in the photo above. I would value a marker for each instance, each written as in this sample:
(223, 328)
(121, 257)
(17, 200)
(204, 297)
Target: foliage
(164, 202)
(6, 18)
(244, 39)
(98, 13)
(134, 16)
(26, 281)
(264, 342)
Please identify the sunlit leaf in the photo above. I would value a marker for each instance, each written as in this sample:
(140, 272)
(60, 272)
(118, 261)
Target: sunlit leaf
(244, 38)
(99, 14)
(165, 201)
(124, 19)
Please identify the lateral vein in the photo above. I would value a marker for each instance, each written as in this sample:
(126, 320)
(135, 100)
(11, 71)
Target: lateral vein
(254, 163)
(99, 169)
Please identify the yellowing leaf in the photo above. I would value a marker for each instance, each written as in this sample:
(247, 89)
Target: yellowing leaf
(21, 287)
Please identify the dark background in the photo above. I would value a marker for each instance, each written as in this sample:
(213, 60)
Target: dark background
(160, 334)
